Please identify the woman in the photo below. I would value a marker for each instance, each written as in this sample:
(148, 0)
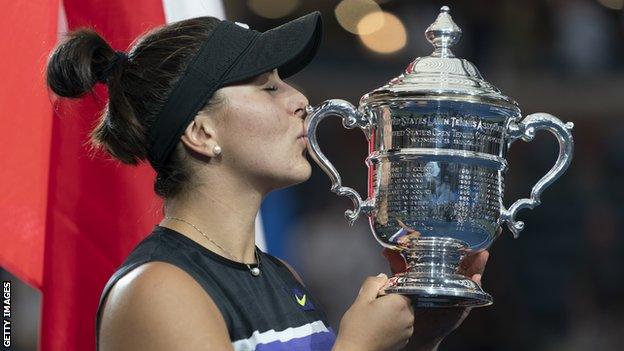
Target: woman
(204, 102)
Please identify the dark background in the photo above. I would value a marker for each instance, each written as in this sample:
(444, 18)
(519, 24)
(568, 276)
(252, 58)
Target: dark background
(560, 285)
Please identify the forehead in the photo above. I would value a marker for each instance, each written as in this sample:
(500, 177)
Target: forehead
(258, 80)
(263, 78)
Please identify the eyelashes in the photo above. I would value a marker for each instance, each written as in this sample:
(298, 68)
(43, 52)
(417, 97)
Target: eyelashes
(271, 88)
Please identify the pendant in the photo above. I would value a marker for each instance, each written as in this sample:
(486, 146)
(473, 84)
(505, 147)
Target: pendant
(255, 271)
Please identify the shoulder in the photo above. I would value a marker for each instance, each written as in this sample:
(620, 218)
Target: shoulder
(292, 270)
(158, 306)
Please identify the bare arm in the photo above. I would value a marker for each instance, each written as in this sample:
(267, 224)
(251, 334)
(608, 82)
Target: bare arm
(158, 307)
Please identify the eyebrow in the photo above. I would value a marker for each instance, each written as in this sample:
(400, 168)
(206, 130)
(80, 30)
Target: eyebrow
(262, 78)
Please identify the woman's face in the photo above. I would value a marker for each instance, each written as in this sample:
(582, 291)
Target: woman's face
(261, 133)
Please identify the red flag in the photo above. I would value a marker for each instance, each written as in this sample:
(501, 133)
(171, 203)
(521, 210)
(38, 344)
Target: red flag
(98, 210)
(69, 219)
(28, 34)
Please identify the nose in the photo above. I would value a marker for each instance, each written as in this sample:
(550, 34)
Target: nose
(300, 103)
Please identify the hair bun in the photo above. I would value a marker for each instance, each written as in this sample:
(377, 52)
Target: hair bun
(120, 58)
(80, 61)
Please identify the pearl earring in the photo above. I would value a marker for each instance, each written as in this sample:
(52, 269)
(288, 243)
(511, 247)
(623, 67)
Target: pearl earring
(216, 150)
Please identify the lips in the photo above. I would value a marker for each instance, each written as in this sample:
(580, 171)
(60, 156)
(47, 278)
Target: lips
(304, 143)
(303, 134)
(304, 139)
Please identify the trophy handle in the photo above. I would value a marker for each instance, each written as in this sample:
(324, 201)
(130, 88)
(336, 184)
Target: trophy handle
(351, 118)
(525, 130)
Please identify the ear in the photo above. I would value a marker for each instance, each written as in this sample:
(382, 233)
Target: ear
(200, 136)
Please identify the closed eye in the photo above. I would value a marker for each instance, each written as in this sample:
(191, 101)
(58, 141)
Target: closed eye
(271, 88)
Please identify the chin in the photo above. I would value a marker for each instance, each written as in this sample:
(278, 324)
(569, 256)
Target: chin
(296, 176)
(303, 173)
(306, 174)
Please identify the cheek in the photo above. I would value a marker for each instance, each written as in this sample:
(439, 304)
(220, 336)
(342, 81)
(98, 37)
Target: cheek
(257, 119)
(263, 134)
(258, 132)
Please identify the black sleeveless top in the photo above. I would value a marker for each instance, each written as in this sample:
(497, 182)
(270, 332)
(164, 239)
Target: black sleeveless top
(272, 311)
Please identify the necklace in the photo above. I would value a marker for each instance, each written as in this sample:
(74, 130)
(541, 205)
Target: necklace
(255, 271)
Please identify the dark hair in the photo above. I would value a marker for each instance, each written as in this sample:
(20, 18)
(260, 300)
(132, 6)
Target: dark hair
(137, 89)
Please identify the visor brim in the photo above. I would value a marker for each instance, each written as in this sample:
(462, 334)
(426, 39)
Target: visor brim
(289, 48)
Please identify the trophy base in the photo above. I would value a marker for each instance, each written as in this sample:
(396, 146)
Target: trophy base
(451, 290)
(431, 279)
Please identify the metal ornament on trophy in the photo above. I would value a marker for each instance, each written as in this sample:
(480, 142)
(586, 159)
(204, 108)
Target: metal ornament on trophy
(438, 135)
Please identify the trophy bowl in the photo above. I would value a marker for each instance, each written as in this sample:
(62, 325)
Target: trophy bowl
(438, 135)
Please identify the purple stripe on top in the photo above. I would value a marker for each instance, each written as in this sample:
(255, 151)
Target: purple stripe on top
(323, 341)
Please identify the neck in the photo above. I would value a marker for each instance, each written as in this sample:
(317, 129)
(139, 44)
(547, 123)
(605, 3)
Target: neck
(224, 208)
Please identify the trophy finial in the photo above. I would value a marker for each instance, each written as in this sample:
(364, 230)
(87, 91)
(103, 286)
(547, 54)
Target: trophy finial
(443, 33)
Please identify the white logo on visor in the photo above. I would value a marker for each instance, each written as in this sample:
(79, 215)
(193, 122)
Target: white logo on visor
(244, 25)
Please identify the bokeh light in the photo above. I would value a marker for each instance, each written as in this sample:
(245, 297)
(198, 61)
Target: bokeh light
(612, 4)
(350, 13)
(273, 8)
(390, 38)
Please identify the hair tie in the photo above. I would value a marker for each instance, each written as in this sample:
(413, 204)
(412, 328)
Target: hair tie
(120, 58)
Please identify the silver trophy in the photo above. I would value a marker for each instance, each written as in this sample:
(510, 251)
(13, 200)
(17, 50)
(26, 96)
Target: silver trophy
(438, 135)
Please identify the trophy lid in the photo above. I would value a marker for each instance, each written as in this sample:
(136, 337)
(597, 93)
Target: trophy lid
(441, 75)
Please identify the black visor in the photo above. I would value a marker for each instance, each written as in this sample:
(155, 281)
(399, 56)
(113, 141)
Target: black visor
(230, 54)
